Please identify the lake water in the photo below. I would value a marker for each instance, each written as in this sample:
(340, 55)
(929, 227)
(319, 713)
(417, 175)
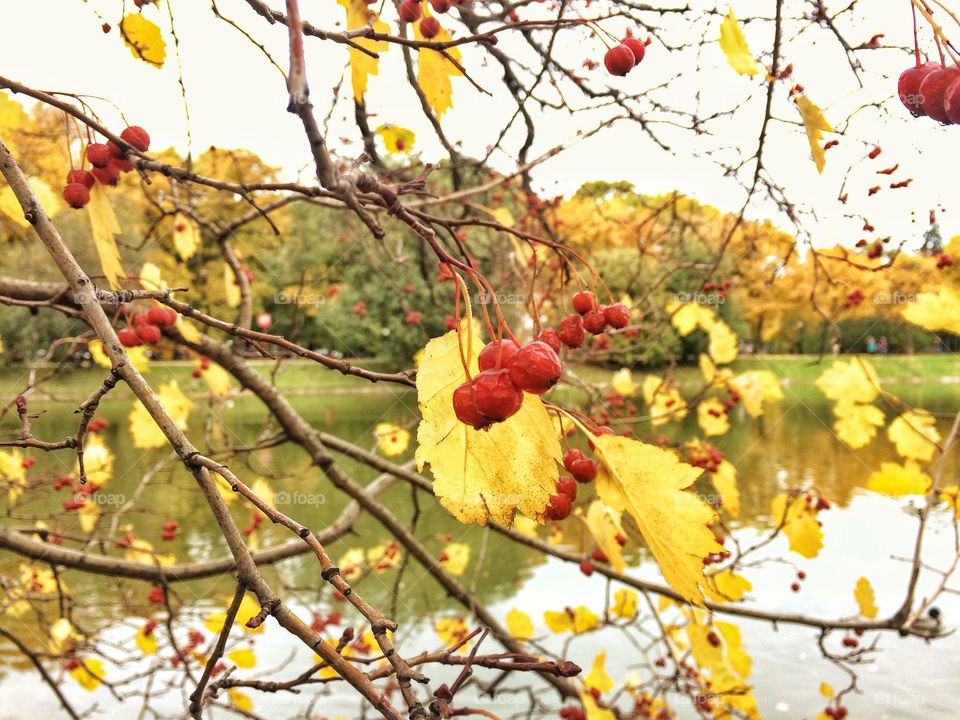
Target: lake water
(791, 445)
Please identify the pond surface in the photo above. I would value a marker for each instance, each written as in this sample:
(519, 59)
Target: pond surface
(791, 445)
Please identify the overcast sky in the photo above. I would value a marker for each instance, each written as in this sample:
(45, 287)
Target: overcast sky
(237, 99)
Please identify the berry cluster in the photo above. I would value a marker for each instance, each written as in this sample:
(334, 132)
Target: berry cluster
(622, 58)
(933, 90)
(506, 372)
(106, 164)
(835, 713)
(170, 528)
(204, 365)
(146, 326)
(801, 576)
(590, 317)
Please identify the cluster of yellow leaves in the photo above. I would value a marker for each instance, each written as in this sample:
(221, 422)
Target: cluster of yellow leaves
(799, 522)
(435, 71)
(577, 620)
(718, 651)
(664, 401)
(89, 673)
(452, 631)
(853, 385)
(482, 474)
(145, 431)
(712, 418)
(755, 388)
(392, 440)
(33, 580)
(687, 317)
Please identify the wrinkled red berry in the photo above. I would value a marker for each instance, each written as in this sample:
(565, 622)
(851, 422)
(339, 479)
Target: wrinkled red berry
(551, 337)
(586, 567)
(148, 334)
(409, 11)
(136, 136)
(908, 86)
(162, 316)
(497, 354)
(76, 195)
(496, 395)
(128, 338)
(465, 407)
(559, 507)
(595, 322)
(566, 485)
(98, 154)
(535, 367)
(637, 47)
(109, 175)
(81, 176)
(619, 60)
(617, 315)
(584, 301)
(932, 91)
(571, 331)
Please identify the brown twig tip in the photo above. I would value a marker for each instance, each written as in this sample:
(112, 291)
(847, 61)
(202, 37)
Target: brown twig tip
(266, 610)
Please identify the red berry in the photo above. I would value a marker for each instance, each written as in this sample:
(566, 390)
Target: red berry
(795, 587)
(908, 86)
(572, 456)
(98, 154)
(571, 331)
(197, 373)
(495, 395)
(410, 11)
(943, 261)
(841, 712)
(583, 470)
(801, 575)
(621, 539)
(429, 27)
(572, 713)
(136, 136)
(141, 319)
(82, 177)
(636, 47)
(599, 556)
(584, 301)
(933, 89)
(465, 407)
(162, 316)
(559, 507)
(851, 642)
(204, 363)
(123, 166)
(586, 567)
(148, 334)
(105, 27)
(619, 60)
(566, 485)
(535, 367)
(156, 595)
(595, 322)
(76, 195)
(413, 317)
(617, 315)
(497, 354)
(28, 462)
(713, 638)
(551, 337)
(128, 338)
(109, 175)
(441, 6)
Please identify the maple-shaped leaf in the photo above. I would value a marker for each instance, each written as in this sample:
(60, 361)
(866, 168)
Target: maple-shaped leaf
(915, 435)
(815, 124)
(664, 400)
(713, 651)
(799, 523)
(857, 424)
(651, 484)
(725, 483)
(104, 227)
(519, 624)
(711, 418)
(935, 311)
(851, 381)
(144, 39)
(864, 595)
(604, 524)
(735, 48)
(898, 480)
(434, 70)
(482, 474)
(362, 65)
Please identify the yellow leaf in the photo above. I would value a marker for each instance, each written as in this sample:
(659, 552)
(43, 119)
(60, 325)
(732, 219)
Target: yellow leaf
(12, 115)
(435, 71)
(249, 608)
(138, 356)
(863, 593)
(147, 642)
(524, 525)
(622, 383)
(898, 480)
(396, 139)
(718, 650)
(934, 311)
(231, 289)
(665, 401)
(519, 624)
(735, 48)
(457, 556)
(915, 435)
(598, 679)
(650, 483)
(89, 674)
(723, 343)
(62, 634)
(624, 603)
(592, 711)
(725, 483)
(729, 586)
(103, 228)
(579, 620)
(687, 317)
(712, 418)
(48, 199)
(503, 216)
(826, 690)
(240, 700)
(392, 440)
(799, 525)
(97, 461)
(857, 424)
(853, 381)
(740, 661)
(188, 330)
(757, 387)
(363, 65)
(604, 524)
(243, 657)
(13, 473)
(145, 431)
(88, 514)
(452, 630)
(218, 380)
(949, 495)
(815, 125)
(482, 474)
(262, 488)
(186, 236)
(144, 39)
